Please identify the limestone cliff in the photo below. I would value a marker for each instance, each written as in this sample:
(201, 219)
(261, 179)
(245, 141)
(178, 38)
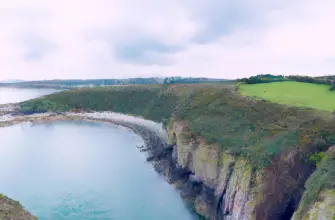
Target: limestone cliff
(231, 188)
(12, 210)
(318, 200)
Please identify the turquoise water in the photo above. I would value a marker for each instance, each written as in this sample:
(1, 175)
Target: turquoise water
(83, 171)
(12, 95)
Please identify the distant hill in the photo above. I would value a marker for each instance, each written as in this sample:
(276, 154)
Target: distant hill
(75, 83)
(179, 79)
(11, 81)
(268, 78)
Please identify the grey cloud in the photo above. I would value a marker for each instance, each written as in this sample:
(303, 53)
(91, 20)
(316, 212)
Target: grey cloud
(137, 51)
(111, 36)
(36, 47)
(130, 45)
(222, 17)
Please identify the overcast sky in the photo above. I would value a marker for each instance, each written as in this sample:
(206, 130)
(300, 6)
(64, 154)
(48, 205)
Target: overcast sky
(49, 39)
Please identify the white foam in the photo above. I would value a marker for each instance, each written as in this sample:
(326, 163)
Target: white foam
(5, 118)
(151, 125)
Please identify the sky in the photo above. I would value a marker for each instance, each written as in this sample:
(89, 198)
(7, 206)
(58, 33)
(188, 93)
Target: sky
(86, 39)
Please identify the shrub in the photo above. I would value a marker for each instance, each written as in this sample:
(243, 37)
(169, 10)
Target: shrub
(318, 158)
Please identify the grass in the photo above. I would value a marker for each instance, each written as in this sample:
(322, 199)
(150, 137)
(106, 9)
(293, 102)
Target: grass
(146, 101)
(300, 94)
(257, 130)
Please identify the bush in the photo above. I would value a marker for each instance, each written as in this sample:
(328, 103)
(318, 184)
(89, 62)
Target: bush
(267, 78)
(38, 106)
(318, 158)
(152, 103)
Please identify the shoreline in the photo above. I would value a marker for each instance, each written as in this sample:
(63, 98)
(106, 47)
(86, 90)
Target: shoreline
(159, 152)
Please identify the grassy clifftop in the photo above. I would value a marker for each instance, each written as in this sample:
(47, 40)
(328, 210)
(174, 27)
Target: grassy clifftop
(317, 96)
(147, 101)
(259, 130)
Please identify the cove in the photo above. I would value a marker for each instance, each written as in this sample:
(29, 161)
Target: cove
(84, 170)
(13, 95)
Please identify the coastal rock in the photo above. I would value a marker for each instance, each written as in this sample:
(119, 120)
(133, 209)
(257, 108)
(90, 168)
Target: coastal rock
(230, 188)
(323, 209)
(13, 210)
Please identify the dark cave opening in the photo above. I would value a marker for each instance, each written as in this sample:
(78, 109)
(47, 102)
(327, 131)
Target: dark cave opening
(219, 211)
(289, 211)
(174, 139)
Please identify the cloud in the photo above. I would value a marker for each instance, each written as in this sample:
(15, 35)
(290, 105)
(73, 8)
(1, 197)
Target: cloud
(139, 51)
(221, 18)
(128, 38)
(35, 47)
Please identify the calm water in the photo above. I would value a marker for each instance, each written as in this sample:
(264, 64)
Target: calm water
(84, 171)
(12, 95)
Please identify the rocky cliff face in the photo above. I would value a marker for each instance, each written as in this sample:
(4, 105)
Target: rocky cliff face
(224, 186)
(318, 201)
(12, 210)
(323, 208)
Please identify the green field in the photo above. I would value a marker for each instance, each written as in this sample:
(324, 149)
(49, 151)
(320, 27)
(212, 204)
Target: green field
(310, 95)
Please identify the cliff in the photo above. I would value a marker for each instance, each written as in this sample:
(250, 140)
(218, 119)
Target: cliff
(232, 157)
(322, 209)
(231, 187)
(12, 210)
(318, 200)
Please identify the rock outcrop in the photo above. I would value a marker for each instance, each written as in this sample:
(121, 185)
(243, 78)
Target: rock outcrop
(318, 201)
(224, 186)
(323, 208)
(12, 210)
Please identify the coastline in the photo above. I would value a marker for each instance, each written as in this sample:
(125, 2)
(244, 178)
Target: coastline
(159, 153)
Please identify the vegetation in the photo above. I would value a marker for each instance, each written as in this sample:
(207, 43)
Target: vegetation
(308, 95)
(332, 88)
(318, 158)
(309, 79)
(263, 78)
(147, 101)
(68, 84)
(322, 179)
(178, 79)
(257, 130)
(5, 198)
(11, 209)
(268, 78)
